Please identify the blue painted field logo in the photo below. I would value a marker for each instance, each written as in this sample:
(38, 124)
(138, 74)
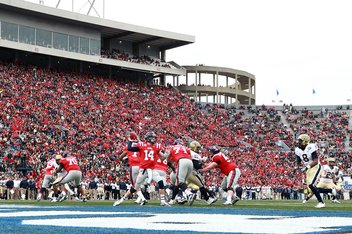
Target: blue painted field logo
(154, 219)
(204, 223)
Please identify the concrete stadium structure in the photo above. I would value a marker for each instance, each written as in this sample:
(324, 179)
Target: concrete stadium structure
(55, 38)
(237, 87)
(50, 36)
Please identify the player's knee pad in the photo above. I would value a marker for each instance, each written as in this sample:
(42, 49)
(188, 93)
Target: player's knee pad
(133, 190)
(161, 184)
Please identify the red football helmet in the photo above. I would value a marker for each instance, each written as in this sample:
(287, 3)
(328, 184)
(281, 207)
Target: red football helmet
(133, 136)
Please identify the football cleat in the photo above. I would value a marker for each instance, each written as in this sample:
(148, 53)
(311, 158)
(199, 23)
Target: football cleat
(336, 201)
(211, 200)
(320, 205)
(304, 201)
(54, 199)
(235, 200)
(82, 200)
(138, 200)
(62, 198)
(143, 202)
(191, 198)
(118, 202)
(164, 203)
(181, 199)
(227, 203)
(172, 202)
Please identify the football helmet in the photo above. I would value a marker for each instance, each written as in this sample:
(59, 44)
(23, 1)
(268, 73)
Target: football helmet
(58, 157)
(150, 137)
(303, 140)
(195, 146)
(178, 141)
(133, 137)
(214, 149)
(331, 162)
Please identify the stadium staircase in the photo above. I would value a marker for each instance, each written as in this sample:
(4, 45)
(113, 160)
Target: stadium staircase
(284, 121)
(348, 138)
(175, 65)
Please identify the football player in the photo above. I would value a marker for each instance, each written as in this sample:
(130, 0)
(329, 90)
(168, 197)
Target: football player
(229, 169)
(134, 162)
(74, 174)
(327, 183)
(307, 153)
(195, 178)
(180, 155)
(48, 179)
(149, 151)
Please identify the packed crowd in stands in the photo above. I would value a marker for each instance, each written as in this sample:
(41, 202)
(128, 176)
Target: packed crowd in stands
(90, 116)
(116, 54)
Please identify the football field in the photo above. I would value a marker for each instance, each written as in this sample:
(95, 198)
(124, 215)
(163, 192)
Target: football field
(244, 217)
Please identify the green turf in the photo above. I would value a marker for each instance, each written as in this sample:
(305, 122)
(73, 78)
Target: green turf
(262, 204)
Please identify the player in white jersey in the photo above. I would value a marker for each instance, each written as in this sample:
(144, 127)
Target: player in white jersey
(195, 178)
(327, 183)
(307, 154)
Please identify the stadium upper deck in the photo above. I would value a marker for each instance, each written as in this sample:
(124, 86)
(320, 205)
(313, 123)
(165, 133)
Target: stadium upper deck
(37, 29)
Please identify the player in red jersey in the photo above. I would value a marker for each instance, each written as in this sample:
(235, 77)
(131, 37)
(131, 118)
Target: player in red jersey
(149, 154)
(74, 174)
(161, 168)
(181, 156)
(133, 161)
(49, 178)
(229, 169)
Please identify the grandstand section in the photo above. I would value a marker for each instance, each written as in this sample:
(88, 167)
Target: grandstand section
(75, 84)
(203, 85)
(82, 41)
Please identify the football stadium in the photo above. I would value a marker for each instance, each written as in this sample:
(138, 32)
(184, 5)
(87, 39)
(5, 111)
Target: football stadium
(100, 133)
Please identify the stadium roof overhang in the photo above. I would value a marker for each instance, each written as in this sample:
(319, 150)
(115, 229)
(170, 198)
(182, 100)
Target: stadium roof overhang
(109, 29)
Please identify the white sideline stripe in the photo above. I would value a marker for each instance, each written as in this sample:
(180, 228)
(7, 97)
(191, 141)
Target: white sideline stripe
(205, 223)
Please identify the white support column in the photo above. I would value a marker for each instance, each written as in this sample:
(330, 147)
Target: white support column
(217, 87)
(255, 93)
(250, 91)
(214, 80)
(236, 88)
(196, 86)
(173, 80)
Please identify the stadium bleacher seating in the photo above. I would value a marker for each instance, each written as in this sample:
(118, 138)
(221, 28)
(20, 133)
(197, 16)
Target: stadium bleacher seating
(89, 116)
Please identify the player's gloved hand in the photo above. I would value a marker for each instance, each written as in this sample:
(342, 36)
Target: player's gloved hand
(304, 169)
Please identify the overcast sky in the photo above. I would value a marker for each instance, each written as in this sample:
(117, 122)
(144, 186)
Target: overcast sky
(291, 46)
